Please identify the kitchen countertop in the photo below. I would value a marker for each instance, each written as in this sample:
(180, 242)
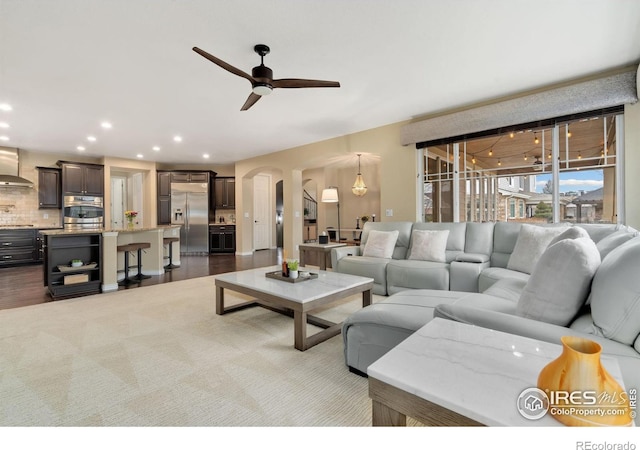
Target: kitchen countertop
(107, 230)
(27, 227)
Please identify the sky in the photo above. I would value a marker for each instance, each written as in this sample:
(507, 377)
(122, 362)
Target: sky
(586, 180)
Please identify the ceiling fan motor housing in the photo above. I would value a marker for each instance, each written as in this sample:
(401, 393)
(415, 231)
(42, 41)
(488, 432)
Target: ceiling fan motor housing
(263, 76)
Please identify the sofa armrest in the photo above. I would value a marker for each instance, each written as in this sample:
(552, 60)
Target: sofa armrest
(530, 328)
(472, 257)
(340, 252)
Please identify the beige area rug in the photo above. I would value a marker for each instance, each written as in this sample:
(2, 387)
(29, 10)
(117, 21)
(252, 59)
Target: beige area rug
(160, 356)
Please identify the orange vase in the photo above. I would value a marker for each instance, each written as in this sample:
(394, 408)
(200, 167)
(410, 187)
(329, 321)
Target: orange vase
(581, 392)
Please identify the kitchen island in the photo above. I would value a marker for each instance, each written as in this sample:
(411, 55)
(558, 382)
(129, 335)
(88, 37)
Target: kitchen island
(100, 247)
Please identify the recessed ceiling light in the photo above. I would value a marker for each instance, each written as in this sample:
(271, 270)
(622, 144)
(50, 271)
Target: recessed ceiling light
(91, 138)
(5, 107)
(140, 155)
(80, 147)
(4, 138)
(156, 148)
(205, 156)
(4, 125)
(106, 125)
(177, 138)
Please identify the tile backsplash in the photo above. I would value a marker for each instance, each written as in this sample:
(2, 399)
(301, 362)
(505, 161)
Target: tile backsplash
(19, 206)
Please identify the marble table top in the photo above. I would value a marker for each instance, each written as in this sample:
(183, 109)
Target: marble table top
(326, 284)
(474, 371)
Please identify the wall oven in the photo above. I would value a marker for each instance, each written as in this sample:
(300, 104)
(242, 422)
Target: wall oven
(83, 212)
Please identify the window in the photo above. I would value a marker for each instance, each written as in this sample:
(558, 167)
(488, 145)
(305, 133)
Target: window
(511, 176)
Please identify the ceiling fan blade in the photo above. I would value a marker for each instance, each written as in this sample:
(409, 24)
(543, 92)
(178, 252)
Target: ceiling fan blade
(224, 65)
(301, 83)
(253, 98)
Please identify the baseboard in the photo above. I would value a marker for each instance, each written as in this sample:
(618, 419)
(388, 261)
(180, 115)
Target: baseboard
(358, 372)
(109, 287)
(244, 253)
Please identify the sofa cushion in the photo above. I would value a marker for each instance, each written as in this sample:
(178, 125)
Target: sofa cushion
(560, 282)
(494, 274)
(455, 240)
(428, 245)
(487, 302)
(404, 235)
(380, 244)
(406, 274)
(532, 242)
(363, 266)
(615, 294)
(507, 288)
(614, 240)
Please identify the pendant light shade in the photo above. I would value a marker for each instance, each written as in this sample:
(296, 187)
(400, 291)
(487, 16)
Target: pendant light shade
(359, 188)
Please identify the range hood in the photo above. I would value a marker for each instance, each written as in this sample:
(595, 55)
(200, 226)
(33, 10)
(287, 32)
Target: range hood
(10, 168)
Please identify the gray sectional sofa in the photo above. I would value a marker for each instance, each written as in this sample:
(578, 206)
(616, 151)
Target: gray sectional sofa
(584, 281)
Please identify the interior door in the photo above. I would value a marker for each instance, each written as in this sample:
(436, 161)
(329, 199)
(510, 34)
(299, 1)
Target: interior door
(118, 196)
(261, 207)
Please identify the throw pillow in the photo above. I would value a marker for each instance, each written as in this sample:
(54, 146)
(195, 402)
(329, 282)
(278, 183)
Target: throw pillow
(531, 243)
(570, 233)
(615, 294)
(429, 245)
(560, 282)
(380, 244)
(612, 241)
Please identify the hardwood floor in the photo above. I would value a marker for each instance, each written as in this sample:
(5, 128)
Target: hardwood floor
(22, 286)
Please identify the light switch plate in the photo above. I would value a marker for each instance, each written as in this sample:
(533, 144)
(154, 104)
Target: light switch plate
(389, 212)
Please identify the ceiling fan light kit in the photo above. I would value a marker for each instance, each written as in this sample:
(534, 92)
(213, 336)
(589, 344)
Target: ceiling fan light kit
(261, 78)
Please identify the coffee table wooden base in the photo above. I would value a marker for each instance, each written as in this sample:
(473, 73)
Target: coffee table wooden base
(391, 406)
(301, 318)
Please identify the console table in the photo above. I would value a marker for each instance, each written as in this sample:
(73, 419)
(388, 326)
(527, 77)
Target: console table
(450, 373)
(323, 253)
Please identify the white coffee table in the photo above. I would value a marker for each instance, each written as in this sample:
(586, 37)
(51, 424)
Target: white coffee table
(450, 373)
(294, 299)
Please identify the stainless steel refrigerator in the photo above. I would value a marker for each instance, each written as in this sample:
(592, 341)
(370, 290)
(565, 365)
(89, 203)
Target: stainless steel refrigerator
(190, 208)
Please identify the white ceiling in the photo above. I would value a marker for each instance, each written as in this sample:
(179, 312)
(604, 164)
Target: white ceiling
(67, 65)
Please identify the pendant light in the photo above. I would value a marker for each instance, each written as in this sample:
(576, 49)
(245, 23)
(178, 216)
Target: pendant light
(359, 188)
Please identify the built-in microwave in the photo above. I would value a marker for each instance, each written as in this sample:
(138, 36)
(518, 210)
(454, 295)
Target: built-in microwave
(83, 212)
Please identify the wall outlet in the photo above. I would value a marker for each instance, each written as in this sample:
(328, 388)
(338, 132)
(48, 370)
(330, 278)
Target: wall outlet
(389, 213)
(45, 216)
(246, 215)
(174, 232)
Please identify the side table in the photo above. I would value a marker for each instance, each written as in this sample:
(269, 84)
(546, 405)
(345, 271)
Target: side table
(323, 252)
(451, 373)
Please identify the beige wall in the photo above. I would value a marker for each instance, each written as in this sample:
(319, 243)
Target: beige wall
(632, 164)
(391, 176)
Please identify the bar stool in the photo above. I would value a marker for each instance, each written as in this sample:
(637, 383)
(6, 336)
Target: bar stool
(126, 248)
(169, 241)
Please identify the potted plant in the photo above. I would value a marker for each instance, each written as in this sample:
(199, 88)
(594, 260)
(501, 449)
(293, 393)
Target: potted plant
(76, 262)
(292, 264)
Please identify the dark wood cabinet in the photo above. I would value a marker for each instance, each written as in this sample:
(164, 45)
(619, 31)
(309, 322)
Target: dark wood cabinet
(222, 238)
(49, 188)
(190, 177)
(225, 193)
(59, 277)
(18, 247)
(166, 177)
(164, 198)
(82, 179)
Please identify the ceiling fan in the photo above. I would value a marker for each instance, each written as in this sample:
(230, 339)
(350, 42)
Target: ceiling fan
(261, 78)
